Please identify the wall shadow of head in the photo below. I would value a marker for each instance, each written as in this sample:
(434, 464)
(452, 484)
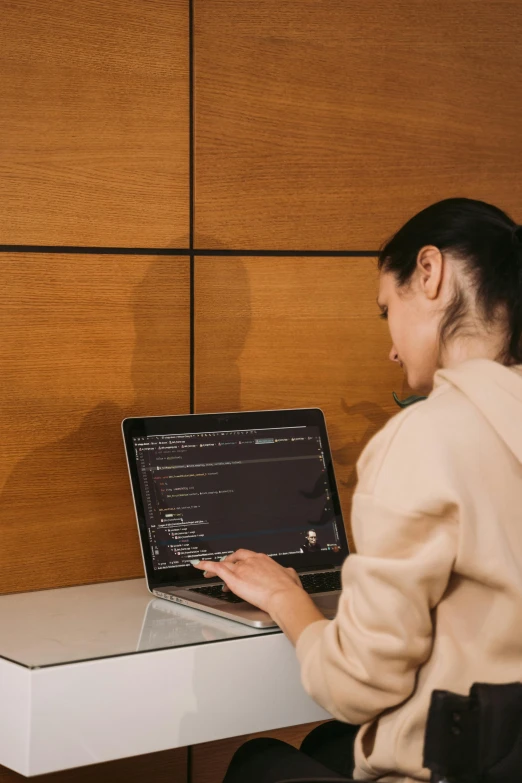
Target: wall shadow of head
(222, 321)
(160, 368)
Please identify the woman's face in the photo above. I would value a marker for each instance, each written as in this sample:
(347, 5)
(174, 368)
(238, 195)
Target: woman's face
(414, 326)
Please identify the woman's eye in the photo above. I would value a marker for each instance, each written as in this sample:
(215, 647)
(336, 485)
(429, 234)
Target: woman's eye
(384, 314)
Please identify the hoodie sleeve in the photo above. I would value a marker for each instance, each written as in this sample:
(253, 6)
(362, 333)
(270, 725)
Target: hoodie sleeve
(404, 523)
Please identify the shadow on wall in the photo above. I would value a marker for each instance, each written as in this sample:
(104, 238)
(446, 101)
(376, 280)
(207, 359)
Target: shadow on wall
(66, 514)
(376, 416)
(161, 358)
(348, 454)
(223, 318)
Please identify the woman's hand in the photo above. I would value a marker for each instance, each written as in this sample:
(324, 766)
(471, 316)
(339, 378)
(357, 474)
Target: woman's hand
(261, 581)
(252, 576)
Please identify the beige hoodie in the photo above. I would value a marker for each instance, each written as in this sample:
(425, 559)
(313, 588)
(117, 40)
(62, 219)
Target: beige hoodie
(433, 597)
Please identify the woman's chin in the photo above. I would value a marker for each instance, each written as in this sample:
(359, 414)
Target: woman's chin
(419, 385)
(419, 388)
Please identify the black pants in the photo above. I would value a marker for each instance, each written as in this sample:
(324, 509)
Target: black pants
(327, 752)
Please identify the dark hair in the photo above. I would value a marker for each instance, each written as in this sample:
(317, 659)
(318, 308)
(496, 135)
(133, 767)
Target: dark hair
(488, 242)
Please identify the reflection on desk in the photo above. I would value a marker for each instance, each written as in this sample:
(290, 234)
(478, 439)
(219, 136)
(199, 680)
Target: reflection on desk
(167, 624)
(72, 624)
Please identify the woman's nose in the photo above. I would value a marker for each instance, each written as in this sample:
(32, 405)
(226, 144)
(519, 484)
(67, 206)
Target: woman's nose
(394, 356)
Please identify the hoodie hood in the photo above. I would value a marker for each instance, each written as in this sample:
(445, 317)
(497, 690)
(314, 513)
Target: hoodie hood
(496, 391)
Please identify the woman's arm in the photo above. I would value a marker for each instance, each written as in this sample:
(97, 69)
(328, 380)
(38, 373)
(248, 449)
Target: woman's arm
(405, 521)
(293, 612)
(366, 660)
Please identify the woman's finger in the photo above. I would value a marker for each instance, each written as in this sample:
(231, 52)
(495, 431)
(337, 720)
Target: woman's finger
(239, 555)
(207, 574)
(211, 568)
(295, 576)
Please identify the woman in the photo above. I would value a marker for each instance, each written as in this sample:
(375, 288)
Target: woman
(433, 597)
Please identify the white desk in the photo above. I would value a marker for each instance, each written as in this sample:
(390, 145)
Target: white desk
(91, 674)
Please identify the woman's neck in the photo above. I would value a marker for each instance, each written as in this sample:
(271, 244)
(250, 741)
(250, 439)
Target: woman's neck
(489, 346)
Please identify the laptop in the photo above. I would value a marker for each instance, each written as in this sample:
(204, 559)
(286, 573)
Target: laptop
(205, 485)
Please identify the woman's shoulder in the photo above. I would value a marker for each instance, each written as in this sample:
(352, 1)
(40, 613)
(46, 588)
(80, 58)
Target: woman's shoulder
(420, 442)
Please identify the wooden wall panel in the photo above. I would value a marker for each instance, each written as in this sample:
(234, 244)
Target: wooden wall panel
(299, 332)
(326, 125)
(169, 766)
(210, 760)
(94, 123)
(86, 341)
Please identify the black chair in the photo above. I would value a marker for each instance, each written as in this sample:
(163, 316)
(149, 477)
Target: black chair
(470, 739)
(475, 738)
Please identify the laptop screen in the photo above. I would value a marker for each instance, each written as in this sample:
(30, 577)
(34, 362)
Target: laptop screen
(268, 489)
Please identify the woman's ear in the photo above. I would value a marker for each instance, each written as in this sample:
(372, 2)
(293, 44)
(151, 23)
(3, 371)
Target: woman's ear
(430, 268)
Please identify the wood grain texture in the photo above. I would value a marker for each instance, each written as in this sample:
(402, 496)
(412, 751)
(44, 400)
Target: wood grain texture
(87, 341)
(292, 333)
(327, 125)
(169, 766)
(210, 760)
(94, 123)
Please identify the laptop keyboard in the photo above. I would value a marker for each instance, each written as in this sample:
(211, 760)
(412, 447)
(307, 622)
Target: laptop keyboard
(321, 582)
